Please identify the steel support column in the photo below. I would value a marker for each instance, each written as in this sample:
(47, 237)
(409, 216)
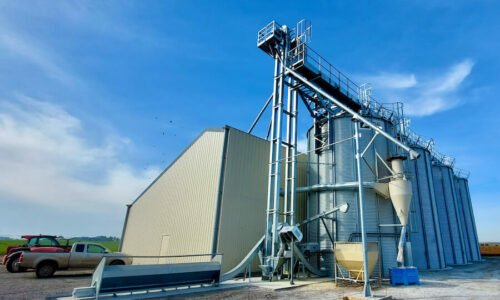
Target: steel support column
(367, 292)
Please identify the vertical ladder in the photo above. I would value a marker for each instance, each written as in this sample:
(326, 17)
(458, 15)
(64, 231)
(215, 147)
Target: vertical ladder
(273, 195)
(291, 154)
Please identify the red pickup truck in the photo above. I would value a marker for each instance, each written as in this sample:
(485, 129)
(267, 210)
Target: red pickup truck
(37, 243)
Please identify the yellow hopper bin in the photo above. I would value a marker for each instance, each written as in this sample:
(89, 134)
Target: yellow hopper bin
(350, 256)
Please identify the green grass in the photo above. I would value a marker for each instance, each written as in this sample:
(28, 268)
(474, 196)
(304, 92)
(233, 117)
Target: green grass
(111, 245)
(5, 244)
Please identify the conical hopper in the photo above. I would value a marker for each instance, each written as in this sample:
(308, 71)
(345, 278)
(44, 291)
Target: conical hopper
(401, 193)
(400, 190)
(350, 257)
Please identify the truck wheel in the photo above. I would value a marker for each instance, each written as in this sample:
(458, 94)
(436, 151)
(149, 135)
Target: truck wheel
(12, 266)
(45, 269)
(117, 263)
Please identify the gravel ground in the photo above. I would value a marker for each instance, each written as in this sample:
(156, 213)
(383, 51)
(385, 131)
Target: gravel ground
(475, 281)
(27, 286)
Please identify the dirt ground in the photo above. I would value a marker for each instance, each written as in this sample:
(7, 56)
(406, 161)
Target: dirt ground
(475, 281)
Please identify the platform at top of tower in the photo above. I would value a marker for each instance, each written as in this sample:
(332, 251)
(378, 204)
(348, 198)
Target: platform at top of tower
(275, 40)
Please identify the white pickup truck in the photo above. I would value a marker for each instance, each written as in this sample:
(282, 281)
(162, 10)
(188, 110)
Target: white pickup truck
(81, 256)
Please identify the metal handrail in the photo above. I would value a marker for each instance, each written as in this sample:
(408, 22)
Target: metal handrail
(461, 173)
(302, 54)
(267, 31)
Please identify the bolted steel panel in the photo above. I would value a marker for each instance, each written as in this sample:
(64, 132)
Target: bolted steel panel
(425, 232)
(448, 217)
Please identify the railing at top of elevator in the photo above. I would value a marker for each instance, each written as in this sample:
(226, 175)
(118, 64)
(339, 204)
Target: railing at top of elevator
(267, 32)
(302, 55)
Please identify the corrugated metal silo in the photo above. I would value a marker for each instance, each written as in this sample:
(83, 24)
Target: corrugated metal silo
(463, 221)
(424, 229)
(335, 168)
(470, 233)
(446, 200)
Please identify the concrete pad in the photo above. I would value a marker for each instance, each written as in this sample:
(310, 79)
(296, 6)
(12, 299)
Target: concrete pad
(361, 297)
(281, 284)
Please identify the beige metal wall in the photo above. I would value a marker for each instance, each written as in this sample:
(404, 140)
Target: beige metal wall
(181, 204)
(243, 206)
(244, 197)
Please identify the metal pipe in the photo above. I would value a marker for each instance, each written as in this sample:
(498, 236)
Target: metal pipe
(343, 208)
(260, 114)
(366, 289)
(413, 154)
(334, 187)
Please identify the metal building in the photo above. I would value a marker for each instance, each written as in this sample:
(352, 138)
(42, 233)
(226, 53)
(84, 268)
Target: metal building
(210, 200)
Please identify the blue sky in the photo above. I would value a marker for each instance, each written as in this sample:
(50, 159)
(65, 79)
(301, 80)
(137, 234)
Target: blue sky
(97, 97)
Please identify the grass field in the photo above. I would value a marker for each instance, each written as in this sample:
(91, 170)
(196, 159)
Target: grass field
(111, 245)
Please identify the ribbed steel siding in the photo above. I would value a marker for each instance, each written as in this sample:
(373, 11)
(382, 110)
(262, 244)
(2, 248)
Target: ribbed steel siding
(377, 210)
(447, 211)
(425, 232)
(463, 220)
(312, 230)
(180, 203)
(468, 214)
(243, 206)
(326, 201)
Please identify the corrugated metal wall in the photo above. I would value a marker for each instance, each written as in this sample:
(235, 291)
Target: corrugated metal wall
(217, 188)
(424, 229)
(180, 203)
(244, 196)
(243, 207)
(470, 235)
(463, 221)
(451, 231)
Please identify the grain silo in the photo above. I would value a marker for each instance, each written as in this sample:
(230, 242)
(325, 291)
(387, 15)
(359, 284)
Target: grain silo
(469, 228)
(333, 181)
(425, 231)
(446, 200)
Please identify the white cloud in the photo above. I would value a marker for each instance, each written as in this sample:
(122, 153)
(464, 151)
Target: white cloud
(35, 54)
(392, 80)
(452, 80)
(423, 96)
(46, 159)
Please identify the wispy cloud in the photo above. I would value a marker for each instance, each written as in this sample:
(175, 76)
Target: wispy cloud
(35, 54)
(423, 95)
(46, 159)
(392, 80)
